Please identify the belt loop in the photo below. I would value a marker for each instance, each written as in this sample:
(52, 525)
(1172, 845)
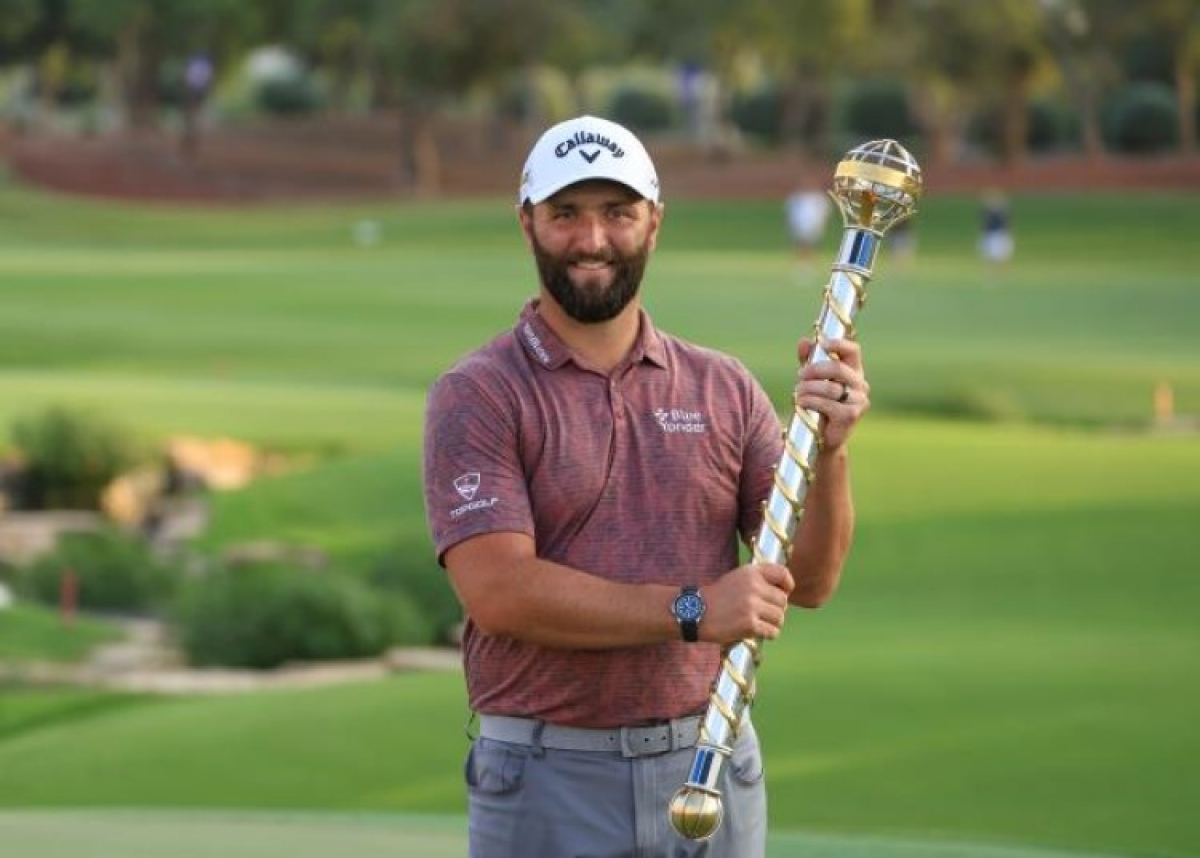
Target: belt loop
(623, 738)
(535, 739)
(674, 729)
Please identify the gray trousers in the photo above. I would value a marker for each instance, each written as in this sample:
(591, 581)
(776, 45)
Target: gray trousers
(527, 801)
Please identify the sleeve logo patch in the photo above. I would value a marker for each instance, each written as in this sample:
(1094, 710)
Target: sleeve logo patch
(467, 487)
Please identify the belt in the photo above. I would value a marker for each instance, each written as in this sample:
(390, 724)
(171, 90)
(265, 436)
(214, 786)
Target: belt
(629, 741)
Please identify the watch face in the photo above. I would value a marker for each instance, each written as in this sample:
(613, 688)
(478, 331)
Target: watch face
(689, 607)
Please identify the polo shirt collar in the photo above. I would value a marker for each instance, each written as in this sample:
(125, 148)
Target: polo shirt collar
(545, 347)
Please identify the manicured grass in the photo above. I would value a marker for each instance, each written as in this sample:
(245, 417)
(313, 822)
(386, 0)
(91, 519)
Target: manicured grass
(1012, 657)
(272, 325)
(1004, 664)
(32, 632)
(26, 710)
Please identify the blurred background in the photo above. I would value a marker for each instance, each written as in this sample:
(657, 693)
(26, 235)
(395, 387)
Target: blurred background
(220, 98)
(240, 238)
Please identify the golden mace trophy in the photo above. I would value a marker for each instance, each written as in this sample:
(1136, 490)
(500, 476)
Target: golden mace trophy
(876, 186)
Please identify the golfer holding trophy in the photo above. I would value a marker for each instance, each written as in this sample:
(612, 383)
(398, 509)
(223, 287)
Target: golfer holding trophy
(588, 480)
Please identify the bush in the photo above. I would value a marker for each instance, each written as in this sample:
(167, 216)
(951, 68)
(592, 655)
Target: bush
(757, 114)
(1053, 126)
(642, 110)
(288, 96)
(422, 582)
(70, 456)
(1142, 118)
(876, 109)
(265, 615)
(114, 572)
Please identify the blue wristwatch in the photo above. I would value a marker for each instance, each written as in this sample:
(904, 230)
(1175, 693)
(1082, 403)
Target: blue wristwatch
(688, 609)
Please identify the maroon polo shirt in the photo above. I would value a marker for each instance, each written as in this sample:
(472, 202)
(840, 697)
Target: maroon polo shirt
(646, 475)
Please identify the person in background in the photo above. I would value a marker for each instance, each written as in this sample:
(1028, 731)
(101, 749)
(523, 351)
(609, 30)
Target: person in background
(902, 241)
(588, 478)
(807, 210)
(996, 238)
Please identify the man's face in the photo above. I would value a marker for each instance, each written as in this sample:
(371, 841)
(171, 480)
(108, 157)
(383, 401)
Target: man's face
(591, 242)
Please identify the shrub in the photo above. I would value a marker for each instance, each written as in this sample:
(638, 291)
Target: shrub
(423, 583)
(114, 572)
(288, 96)
(1053, 126)
(757, 114)
(642, 110)
(70, 456)
(1142, 118)
(878, 108)
(264, 615)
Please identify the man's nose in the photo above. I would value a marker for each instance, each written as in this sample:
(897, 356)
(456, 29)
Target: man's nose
(592, 236)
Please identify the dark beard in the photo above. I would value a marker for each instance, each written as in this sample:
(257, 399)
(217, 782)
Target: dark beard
(591, 304)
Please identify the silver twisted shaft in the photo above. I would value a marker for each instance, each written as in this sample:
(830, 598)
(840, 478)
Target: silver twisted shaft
(876, 186)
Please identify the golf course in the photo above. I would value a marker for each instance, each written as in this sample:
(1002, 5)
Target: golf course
(1011, 668)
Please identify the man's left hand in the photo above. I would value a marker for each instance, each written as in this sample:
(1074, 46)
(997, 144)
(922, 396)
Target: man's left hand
(835, 388)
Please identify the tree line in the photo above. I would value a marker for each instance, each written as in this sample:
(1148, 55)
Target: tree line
(961, 68)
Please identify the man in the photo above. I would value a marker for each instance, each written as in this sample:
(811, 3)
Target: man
(584, 470)
(995, 239)
(807, 211)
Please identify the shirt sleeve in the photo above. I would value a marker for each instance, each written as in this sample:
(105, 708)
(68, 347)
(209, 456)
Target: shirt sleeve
(761, 454)
(473, 479)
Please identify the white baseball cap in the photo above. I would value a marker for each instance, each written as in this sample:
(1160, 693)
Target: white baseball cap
(583, 148)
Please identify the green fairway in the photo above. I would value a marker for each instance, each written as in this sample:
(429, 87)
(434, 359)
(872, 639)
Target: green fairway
(272, 325)
(1011, 668)
(33, 632)
(1002, 666)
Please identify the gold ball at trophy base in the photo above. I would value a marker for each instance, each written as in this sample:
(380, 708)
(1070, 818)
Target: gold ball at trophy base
(695, 813)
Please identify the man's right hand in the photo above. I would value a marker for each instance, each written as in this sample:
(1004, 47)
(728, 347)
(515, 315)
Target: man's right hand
(750, 601)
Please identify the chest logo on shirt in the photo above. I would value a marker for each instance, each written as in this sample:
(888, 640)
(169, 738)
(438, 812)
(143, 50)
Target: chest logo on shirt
(677, 420)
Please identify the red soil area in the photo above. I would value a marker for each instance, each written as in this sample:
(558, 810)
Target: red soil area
(356, 158)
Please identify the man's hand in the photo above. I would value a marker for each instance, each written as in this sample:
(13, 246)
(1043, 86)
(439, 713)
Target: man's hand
(747, 602)
(836, 388)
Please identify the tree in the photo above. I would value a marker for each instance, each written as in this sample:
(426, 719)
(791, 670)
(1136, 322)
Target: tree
(1084, 35)
(1011, 66)
(806, 44)
(331, 32)
(19, 23)
(40, 33)
(424, 54)
(966, 60)
(145, 33)
(1177, 23)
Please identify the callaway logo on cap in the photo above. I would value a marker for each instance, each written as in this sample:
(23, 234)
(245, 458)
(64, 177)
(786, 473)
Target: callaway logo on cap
(586, 148)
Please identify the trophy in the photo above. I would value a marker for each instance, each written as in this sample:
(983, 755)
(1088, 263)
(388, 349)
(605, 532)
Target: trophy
(876, 186)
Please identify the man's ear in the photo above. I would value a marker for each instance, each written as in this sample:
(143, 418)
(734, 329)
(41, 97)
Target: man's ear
(656, 216)
(525, 219)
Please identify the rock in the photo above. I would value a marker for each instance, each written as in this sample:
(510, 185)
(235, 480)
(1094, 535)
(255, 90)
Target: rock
(221, 463)
(24, 536)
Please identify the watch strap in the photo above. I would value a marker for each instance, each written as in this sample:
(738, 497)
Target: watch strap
(689, 629)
